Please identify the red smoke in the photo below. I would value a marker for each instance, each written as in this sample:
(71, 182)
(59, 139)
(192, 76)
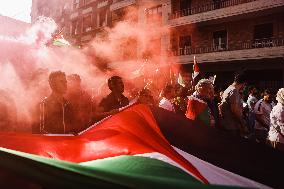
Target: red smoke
(26, 62)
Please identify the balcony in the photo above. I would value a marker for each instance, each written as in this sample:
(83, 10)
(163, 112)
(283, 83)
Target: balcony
(220, 9)
(117, 4)
(255, 49)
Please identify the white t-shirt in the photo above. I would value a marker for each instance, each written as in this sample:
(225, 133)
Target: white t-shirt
(262, 108)
(166, 104)
(276, 122)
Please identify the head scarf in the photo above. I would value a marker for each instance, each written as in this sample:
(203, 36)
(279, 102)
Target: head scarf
(280, 96)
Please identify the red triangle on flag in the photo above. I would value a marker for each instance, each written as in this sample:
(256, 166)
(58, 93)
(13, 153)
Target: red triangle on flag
(133, 131)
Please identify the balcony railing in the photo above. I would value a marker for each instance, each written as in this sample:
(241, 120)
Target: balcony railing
(120, 4)
(207, 7)
(258, 43)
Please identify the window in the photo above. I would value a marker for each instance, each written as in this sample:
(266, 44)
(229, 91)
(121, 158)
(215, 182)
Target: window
(185, 4)
(184, 41)
(263, 31)
(184, 44)
(102, 18)
(263, 34)
(87, 23)
(76, 4)
(75, 27)
(154, 14)
(118, 15)
(220, 40)
(217, 4)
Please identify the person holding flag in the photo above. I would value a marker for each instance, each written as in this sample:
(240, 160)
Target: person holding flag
(195, 76)
(196, 70)
(198, 106)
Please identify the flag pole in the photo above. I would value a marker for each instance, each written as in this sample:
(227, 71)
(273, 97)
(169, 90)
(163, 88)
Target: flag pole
(193, 73)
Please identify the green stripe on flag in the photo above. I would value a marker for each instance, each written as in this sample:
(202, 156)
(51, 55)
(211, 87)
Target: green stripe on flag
(204, 116)
(115, 172)
(58, 43)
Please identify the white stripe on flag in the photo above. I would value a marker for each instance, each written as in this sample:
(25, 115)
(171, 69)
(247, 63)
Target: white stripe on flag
(162, 157)
(212, 173)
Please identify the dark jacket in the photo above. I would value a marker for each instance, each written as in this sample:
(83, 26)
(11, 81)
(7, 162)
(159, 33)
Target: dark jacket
(111, 102)
(53, 117)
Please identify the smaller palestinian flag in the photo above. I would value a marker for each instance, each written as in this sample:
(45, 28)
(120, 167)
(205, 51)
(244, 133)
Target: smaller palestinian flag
(198, 110)
(195, 69)
(59, 40)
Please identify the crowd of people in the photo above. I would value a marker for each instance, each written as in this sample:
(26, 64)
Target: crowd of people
(256, 115)
(239, 110)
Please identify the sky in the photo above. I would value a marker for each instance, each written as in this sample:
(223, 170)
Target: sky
(18, 9)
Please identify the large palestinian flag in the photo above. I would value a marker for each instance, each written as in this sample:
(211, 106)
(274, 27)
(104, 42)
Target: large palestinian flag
(127, 150)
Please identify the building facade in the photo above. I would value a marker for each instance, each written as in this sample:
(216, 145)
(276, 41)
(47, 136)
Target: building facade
(81, 20)
(226, 36)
